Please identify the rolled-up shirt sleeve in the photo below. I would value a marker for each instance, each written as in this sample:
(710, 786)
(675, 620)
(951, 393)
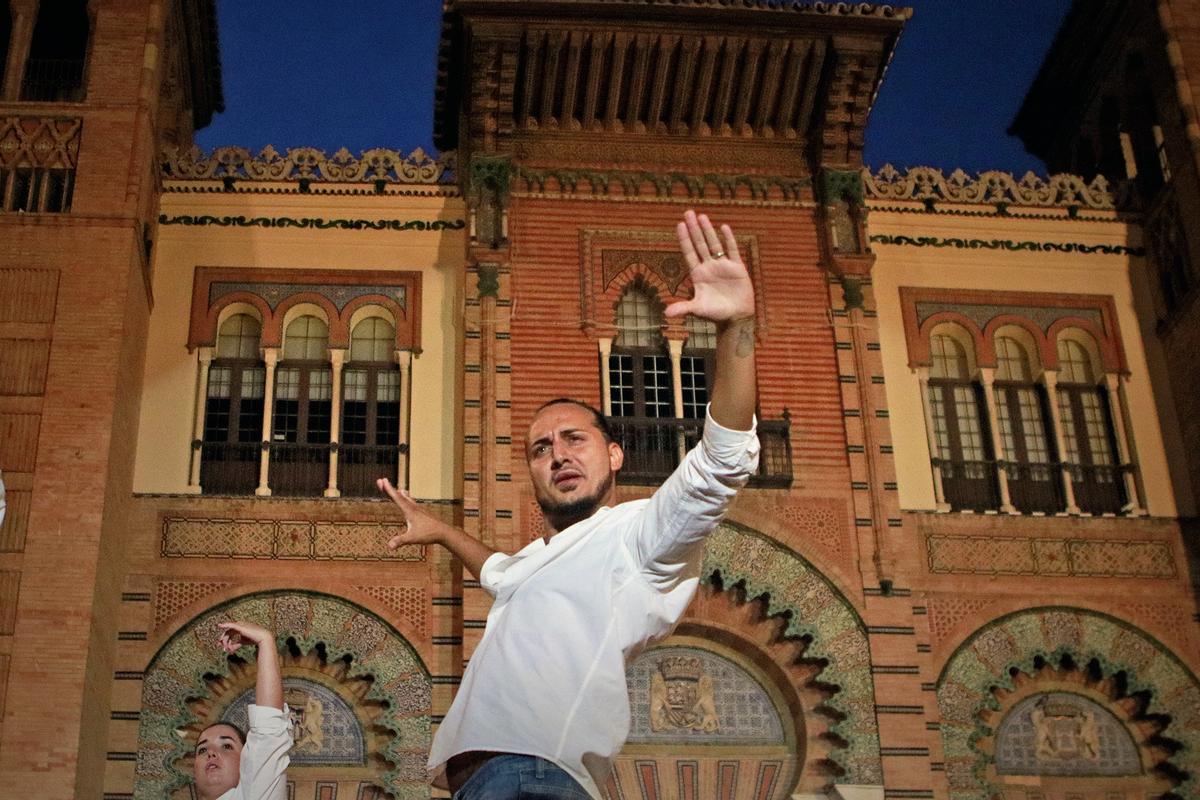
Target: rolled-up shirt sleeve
(492, 570)
(265, 755)
(692, 502)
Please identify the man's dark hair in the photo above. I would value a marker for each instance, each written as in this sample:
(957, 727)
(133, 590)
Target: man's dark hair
(598, 418)
(241, 734)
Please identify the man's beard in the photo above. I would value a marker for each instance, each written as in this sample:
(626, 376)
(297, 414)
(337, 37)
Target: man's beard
(563, 515)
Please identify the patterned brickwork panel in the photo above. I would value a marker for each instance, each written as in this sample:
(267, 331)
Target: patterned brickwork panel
(29, 295)
(23, 365)
(1064, 734)
(19, 441)
(686, 695)
(411, 603)
(946, 613)
(16, 521)
(984, 663)
(39, 142)
(324, 727)
(1091, 558)
(821, 522)
(178, 673)
(194, 537)
(171, 597)
(10, 584)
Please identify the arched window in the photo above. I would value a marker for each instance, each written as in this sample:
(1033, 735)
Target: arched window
(233, 411)
(370, 429)
(301, 415)
(959, 412)
(1034, 482)
(1089, 440)
(57, 55)
(696, 366)
(641, 389)
(639, 369)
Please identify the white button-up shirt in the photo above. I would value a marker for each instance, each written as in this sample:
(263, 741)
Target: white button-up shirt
(548, 677)
(264, 756)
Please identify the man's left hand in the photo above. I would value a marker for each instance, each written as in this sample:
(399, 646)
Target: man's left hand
(722, 291)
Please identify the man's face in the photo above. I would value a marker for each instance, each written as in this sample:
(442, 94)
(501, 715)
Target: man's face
(218, 761)
(571, 464)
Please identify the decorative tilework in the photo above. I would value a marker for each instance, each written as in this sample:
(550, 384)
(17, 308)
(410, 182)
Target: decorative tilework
(981, 314)
(178, 672)
(1020, 555)
(275, 293)
(193, 537)
(967, 682)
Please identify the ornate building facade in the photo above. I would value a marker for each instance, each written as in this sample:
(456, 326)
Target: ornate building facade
(960, 572)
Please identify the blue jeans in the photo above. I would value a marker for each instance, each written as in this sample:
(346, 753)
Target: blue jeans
(518, 777)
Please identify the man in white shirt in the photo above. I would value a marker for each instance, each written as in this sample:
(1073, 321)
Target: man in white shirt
(232, 765)
(543, 707)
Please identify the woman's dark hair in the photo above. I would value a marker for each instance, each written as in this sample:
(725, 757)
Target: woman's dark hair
(241, 734)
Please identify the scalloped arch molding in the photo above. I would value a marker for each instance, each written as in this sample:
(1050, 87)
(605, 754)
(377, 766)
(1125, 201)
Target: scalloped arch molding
(983, 661)
(817, 610)
(176, 673)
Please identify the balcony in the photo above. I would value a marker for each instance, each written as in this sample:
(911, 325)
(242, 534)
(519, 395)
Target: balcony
(1032, 487)
(654, 447)
(296, 470)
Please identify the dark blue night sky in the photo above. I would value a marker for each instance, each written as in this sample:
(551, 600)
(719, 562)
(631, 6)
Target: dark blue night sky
(297, 74)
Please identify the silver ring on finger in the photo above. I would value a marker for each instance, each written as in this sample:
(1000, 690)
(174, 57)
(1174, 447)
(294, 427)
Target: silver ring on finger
(719, 254)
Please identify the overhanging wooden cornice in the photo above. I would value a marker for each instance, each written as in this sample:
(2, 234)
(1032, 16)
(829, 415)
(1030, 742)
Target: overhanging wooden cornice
(614, 71)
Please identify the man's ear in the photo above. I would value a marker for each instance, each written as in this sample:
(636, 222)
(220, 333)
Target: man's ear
(616, 456)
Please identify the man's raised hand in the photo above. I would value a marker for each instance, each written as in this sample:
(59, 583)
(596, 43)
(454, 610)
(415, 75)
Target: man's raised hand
(422, 527)
(722, 291)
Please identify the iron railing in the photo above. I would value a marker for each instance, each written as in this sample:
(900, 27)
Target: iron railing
(229, 468)
(654, 447)
(360, 465)
(298, 470)
(1033, 487)
(1099, 489)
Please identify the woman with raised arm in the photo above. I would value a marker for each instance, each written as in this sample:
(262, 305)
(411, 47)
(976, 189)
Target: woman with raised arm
(231, 764)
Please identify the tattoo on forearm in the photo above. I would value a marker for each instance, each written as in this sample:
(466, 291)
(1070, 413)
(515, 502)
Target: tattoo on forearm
(745, 338)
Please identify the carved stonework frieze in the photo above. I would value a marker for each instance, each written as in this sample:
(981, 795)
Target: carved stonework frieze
(666, 265)
(39, 142)
(1079, 558)
(309, 164)
(991, 187)
(610, 259)
(662, 185)
(196, 537)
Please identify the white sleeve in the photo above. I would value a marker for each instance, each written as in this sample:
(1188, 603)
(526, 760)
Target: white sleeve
(690, 503)
(264, 756)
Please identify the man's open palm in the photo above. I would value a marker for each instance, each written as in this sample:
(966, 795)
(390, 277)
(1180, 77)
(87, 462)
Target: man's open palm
(721, 285)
